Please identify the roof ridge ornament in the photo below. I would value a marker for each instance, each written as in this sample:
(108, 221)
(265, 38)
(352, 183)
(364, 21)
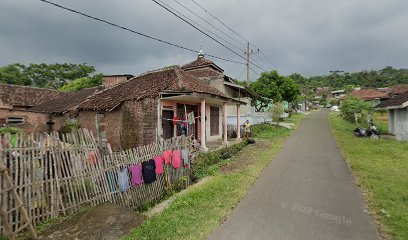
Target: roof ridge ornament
(201, 54)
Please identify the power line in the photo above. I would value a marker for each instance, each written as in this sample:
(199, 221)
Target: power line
(216, 35)
(254, 71)
(232, 30)
(135, 32)
(225, 25)
(265, 56)
(212, 25)
(198, 29)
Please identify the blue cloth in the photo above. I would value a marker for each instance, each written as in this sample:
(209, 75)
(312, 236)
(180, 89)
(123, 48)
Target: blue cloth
(185, 153)
(110, 178)
(123, 180)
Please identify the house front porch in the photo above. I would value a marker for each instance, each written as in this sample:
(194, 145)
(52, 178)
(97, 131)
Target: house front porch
(175, 110)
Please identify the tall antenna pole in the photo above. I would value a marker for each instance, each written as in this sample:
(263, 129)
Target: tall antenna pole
(248, 62)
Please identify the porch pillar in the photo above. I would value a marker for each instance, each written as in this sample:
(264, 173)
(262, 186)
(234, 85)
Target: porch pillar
(224, 110)
(203, 147)
(238, 122)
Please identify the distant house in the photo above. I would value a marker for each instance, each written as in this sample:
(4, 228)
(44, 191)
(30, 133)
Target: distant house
(110, 80)
(397, 108)
(62, 110)
(16, 102)
(149, 107)
(338, 94)
(398, 89)
(321, 92)
(374, 95)
(209, 72)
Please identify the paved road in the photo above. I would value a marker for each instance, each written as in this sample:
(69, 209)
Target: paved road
(307, 192)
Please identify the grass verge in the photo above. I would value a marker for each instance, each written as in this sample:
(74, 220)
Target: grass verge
(197, 213)
(381, 168)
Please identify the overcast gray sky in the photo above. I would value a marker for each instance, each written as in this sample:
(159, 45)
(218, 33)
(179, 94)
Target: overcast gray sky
(309, 37)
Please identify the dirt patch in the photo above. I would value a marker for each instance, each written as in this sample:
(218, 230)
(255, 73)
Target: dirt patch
(245, 158)
(104, 222)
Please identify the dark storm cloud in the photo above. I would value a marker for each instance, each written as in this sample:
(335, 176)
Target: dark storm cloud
(309, 37)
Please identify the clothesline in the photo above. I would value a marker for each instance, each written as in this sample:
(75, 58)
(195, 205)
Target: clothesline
(173, 120)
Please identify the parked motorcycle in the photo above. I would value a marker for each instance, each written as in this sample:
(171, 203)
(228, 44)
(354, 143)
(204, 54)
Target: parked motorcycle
(370, 132)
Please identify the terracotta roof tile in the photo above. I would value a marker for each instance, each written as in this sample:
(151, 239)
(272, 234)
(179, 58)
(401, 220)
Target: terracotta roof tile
(204, 73)
(370, 94)
(25, 96)
(201, 62)
(149, 84)
(67, 102)
(394, 101)
(398, 89)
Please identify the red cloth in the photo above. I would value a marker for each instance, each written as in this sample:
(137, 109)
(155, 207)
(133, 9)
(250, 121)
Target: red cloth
(176, 162)
(158, 161)
(92, 157)
(176, 120)
(167, 156)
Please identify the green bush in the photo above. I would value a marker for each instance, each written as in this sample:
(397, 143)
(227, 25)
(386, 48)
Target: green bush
(12, 130)
(276, 110)
(206, 164)
(352, 106)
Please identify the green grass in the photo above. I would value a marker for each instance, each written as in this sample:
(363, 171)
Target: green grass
(295, 118)
(204, 207)
(381, 121)
(381, 168)
(207, 164)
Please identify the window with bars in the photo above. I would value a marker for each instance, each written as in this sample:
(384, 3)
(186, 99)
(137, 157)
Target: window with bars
(15, 120)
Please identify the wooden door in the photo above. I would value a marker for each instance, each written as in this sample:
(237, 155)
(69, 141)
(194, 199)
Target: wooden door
(167, 125)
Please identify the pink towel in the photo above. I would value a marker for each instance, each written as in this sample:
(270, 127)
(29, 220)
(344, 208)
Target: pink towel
(158, 161)
(176, 162)
(136, 171)
(167, 156)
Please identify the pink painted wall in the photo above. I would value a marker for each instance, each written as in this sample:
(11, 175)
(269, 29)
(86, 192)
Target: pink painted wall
(173, 104)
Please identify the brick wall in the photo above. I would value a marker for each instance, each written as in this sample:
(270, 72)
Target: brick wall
(110, 122)
(139, 122)
(33, 122)
(112, 80)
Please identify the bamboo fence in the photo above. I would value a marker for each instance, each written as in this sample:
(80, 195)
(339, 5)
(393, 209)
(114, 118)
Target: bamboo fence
(57, 175)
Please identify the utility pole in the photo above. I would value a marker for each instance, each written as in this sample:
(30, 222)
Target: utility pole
(248, 62)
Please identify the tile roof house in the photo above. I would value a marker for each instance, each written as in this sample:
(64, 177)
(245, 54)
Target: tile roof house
(398, 89)
(63, 109)
(397, 108)
(16, 102)
(141, 110)
(206, 70)
(368, 94)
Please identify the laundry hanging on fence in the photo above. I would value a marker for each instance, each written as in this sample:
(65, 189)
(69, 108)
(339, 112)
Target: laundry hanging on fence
(158, 161)
(38, 177)
(176, 161)
(136, 171)
(123, 180)
(92, 157)
(185, 152)
(167, 155)
(110, 178)
(149, 171)
(190, 118)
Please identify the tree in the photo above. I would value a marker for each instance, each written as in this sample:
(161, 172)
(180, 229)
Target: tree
(82, 83)
(352, 106)
(276, 111)
(13, 74)
(57, 75)
(45, 75)
(272, 86)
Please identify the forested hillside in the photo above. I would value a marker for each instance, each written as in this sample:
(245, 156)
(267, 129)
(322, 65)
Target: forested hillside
(338, 79)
